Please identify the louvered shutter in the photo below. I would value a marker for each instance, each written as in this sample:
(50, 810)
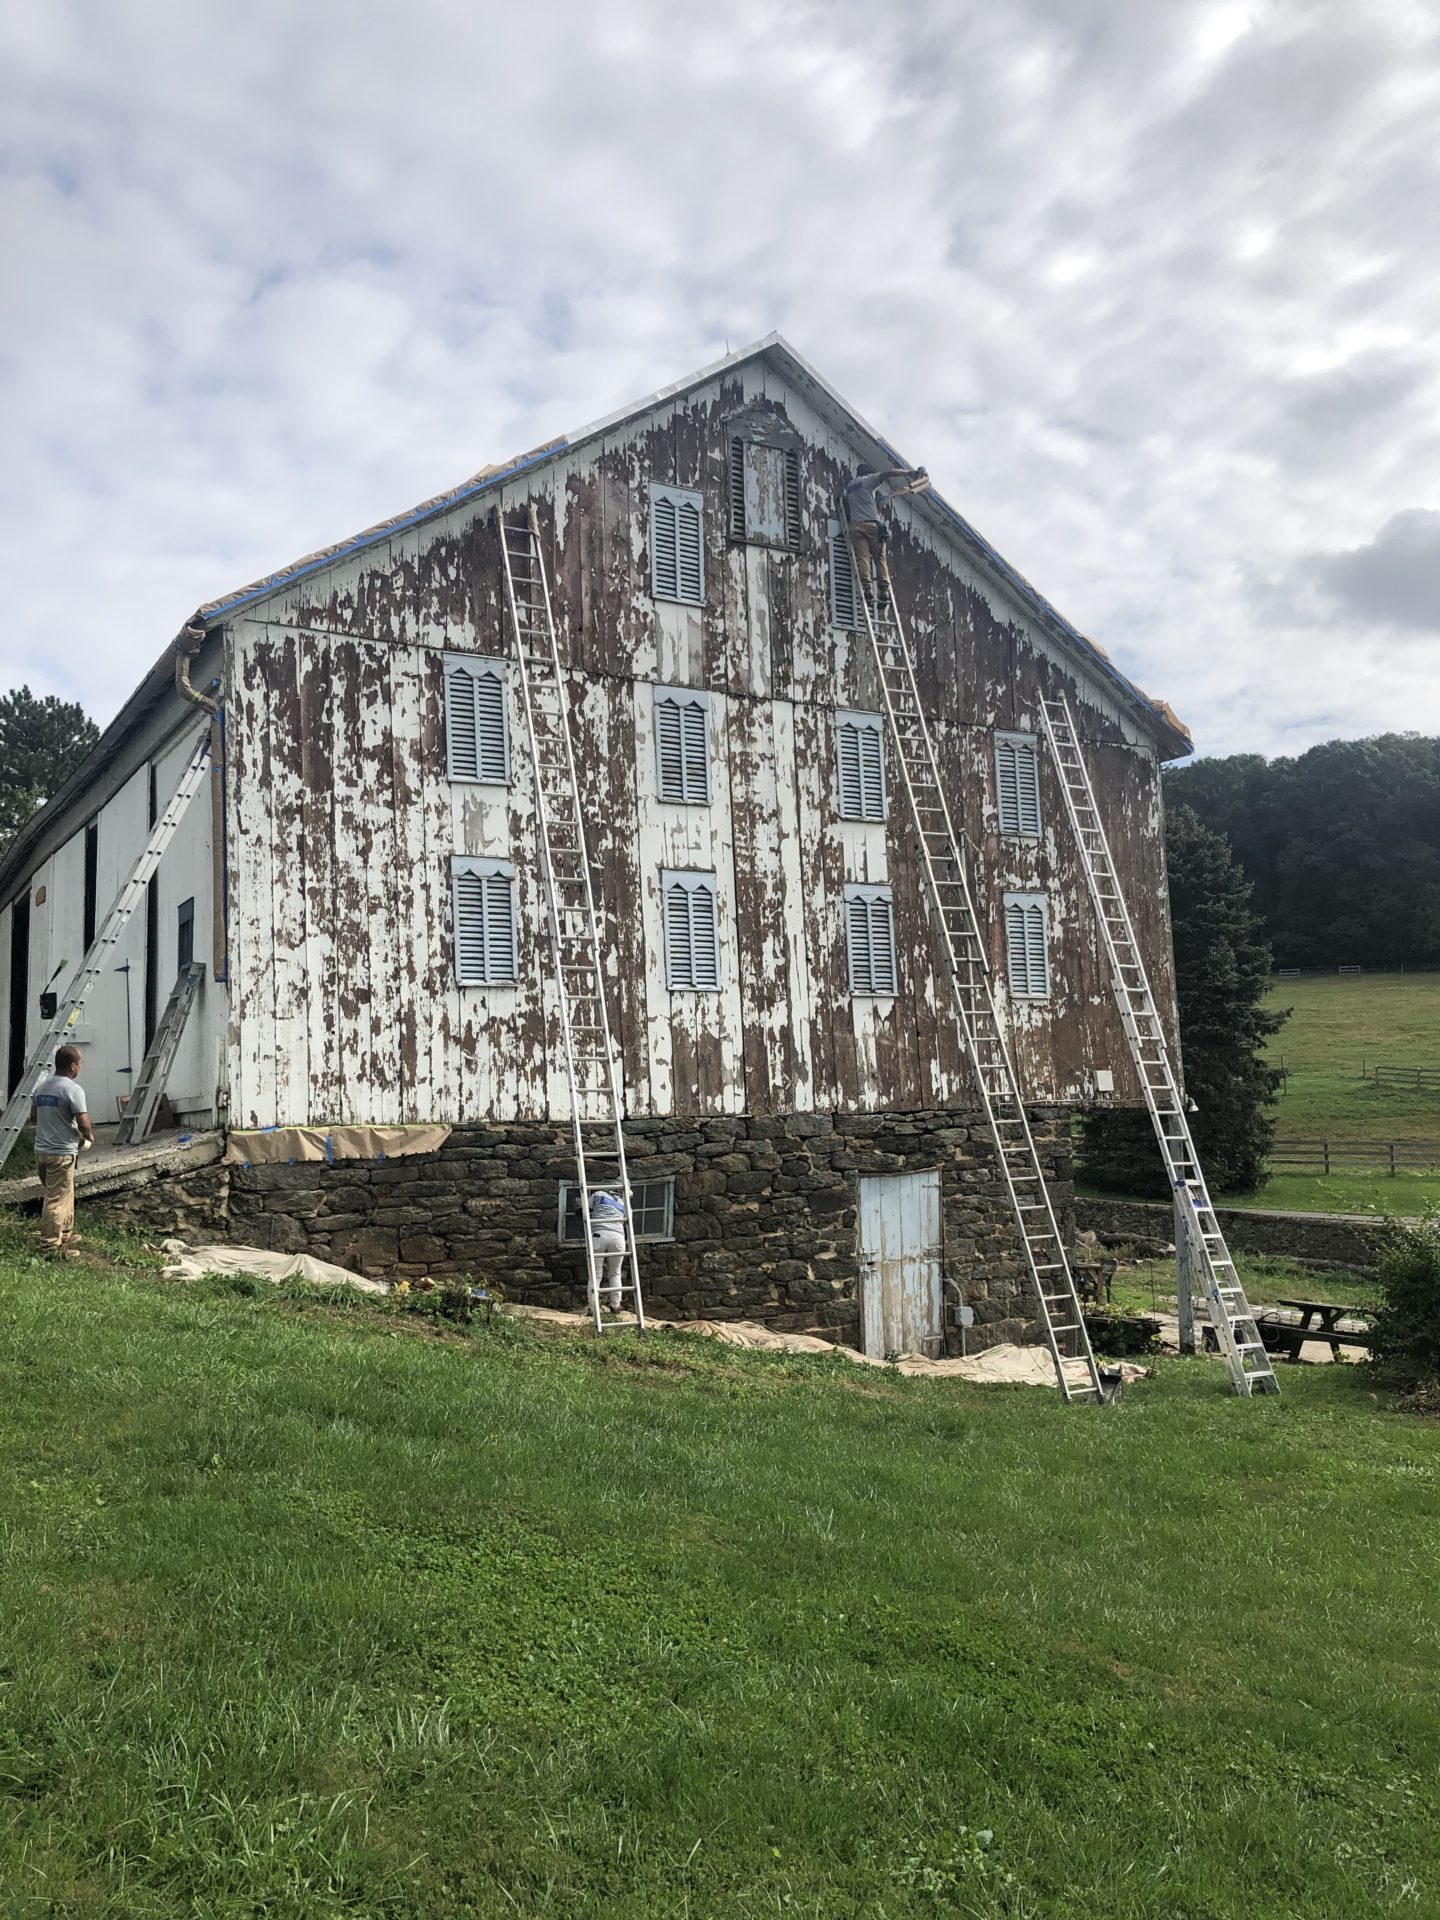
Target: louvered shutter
(844, 602)
(872, 771)
(664, 551)
(670, 748)
(704, 937)
(852, 781)
(792, 496)
(1006, 788)
(857, 934)
(737, 489)
(1027, 771)
(469, 928)
(499, 927)
(1027, 947)
(882, 946)
(1037, 952)
(690, 554)
(697, 752)
(462, 744)
(692, 935)
(491, 728)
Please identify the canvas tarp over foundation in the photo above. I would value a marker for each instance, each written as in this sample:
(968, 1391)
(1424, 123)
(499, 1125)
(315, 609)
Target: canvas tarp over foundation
(282, 1146)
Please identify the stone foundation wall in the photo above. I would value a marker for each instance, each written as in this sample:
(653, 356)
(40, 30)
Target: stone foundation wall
(765, 1218)
(1315, 1239)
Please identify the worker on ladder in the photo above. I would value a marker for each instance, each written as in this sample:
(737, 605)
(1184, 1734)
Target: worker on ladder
(864, 516)
(607, 1236)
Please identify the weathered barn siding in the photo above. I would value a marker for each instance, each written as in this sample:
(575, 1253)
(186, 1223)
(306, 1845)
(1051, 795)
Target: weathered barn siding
(343, 822)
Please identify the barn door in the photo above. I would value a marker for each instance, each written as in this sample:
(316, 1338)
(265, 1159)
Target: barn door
(900, 1264)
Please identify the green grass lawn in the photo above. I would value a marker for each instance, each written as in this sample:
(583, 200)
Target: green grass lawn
(1149, 1285)
(309, 1612)
(1341, 1024)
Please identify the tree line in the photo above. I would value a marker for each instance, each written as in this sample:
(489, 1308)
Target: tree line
(1341, 845)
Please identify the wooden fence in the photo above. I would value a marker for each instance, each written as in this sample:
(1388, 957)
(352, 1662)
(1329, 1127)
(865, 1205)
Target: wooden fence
(1425, 1078)
(1354, 1156)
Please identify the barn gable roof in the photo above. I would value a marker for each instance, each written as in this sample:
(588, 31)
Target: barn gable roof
(1171, 736)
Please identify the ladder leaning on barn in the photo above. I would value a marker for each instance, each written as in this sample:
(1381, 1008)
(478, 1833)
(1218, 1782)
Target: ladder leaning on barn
(1226, 1306)
(973, 1001)
(12, 1121)
(587, 1049)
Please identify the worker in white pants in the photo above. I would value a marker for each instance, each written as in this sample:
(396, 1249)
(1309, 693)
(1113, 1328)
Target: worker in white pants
(607, 1235)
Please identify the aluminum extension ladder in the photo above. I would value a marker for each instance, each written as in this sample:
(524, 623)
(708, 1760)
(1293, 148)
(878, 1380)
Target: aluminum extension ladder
(1226, 1306)
(591, 1066)
(144, 1101)
(974, 1003)
(17, 1113)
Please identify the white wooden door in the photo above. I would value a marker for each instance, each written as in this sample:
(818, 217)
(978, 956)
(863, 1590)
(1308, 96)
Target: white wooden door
(900, 1264)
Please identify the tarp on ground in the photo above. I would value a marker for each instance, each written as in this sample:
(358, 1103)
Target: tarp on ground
(192, 1263)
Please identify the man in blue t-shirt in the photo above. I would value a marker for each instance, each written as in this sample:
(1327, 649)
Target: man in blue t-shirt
(62, 1133)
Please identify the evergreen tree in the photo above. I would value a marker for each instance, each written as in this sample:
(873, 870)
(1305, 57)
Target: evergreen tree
(1222, 975)
(41, 744)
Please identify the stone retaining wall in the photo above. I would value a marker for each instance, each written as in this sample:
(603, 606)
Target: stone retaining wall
(1315, 1239)
(765, 1215)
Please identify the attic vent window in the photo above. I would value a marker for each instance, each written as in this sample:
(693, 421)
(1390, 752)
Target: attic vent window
(477, 733)
(764, 494)
(860, 763)
(677, 546)
(1027, 946)
(1017, 783)
(682, 745)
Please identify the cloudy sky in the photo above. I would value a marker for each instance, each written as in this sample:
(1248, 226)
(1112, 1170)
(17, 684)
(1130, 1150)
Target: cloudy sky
(1151, 288)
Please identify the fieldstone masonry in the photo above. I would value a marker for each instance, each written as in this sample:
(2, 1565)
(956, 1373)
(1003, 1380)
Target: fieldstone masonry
(766, 1213)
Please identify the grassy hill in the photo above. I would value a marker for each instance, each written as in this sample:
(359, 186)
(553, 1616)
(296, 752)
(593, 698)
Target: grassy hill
(312, 1612)
(1339, 1026)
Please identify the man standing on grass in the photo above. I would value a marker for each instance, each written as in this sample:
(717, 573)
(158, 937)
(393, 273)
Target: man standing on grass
(62, 1133)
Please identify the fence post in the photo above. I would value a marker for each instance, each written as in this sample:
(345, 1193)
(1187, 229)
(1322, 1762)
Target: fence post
(1326, 1145)
(1392, 1159)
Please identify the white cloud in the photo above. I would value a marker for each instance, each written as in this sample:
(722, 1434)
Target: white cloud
(1145, 287)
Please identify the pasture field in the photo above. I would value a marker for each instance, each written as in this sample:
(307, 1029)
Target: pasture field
(318, 1611)
(1341, 1023)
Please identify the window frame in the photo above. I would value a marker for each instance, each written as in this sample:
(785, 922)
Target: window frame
(694, 880)
(684, 699)
(864, 723)
(740, 528)
(871, 897)
(184, 935)
(1018, 743)
(680, 499)
(637, 1188)
(465, 865)
(477, 666)
(1027, 902)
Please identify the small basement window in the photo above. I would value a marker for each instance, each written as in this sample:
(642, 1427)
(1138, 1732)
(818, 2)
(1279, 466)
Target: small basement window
(1027, 946)
(677, 546)
(1017, 783)
(764, 494)
(484, 908)
(652, 1204)
(682, 745)
(477, 725)
(870, 940)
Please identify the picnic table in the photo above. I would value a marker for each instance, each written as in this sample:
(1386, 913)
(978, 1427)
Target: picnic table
(1093, 1273)
(1318, 1320)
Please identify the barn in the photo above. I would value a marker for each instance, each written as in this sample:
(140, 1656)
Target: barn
(373, 1069)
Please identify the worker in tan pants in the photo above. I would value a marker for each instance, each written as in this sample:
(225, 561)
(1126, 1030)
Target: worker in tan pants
(62, 1133)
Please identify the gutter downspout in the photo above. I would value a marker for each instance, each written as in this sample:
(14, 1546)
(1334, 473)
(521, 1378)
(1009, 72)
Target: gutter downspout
(188, 643)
